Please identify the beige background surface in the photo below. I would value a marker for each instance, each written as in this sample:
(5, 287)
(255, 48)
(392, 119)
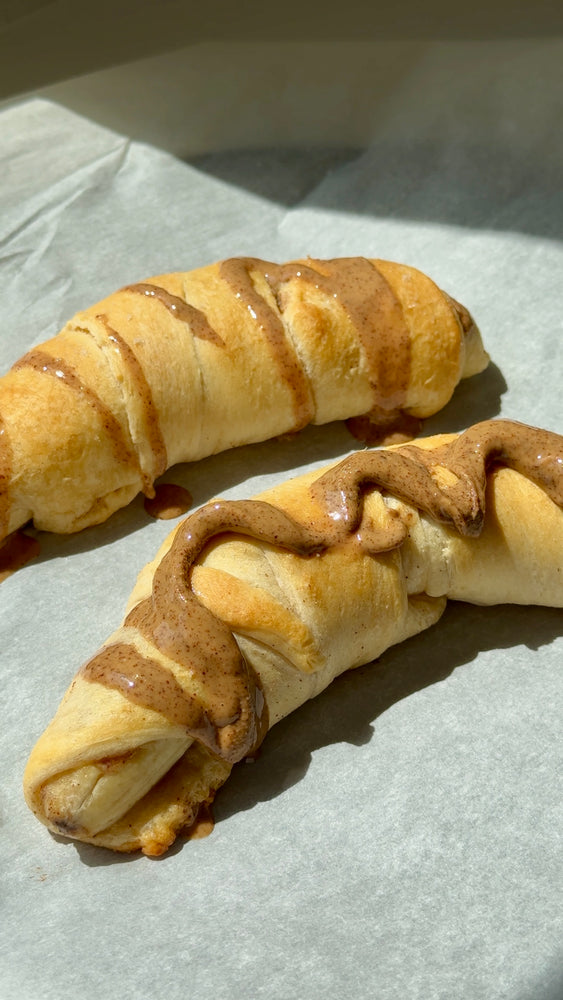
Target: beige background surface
(45, 41)
(176, 74)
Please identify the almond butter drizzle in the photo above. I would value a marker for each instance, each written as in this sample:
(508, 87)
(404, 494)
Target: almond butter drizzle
(230, 718)
(143, 390)
(237, 273)
(180, 309)
(407, 473)
(370, 304)
(16, 551)
(367, 299)
(40, 361)
(176, 622)
(170, 500)
(376, 314)
(147, 683)
(57, 368)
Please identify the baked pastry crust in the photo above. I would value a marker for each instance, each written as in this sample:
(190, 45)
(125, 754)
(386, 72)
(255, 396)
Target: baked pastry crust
(252, 607)
(189, 364)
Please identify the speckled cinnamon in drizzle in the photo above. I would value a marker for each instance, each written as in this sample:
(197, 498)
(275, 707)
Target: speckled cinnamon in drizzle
(180, 309)
(237, 273)
(147, 682)
(230, 719)
(144, 394)
(407, 473)
(40, 361)
(365, 294)
(376, 314)
(370, 304)
(182, 628)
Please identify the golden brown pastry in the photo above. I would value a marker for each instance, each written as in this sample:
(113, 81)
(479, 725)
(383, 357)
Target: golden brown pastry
(186, 365)
(252, 607)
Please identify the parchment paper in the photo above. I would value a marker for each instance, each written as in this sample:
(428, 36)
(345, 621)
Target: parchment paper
(399, 837)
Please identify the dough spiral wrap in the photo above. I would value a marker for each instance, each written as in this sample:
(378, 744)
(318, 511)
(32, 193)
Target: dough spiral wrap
(317, 576)
(189, 364)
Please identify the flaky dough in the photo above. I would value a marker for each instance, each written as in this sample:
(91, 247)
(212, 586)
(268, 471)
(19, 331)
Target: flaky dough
(475, 517)
(186, 365)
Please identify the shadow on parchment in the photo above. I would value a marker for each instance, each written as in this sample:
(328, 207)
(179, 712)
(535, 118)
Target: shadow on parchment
(455, 180)
(347, 710)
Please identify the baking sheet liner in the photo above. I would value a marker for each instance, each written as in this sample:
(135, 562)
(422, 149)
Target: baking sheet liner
(400, 836)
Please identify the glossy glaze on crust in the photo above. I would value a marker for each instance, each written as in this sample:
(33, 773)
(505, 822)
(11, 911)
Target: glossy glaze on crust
(179, 308)
(184, 365)
(150, 415)
(370, 304)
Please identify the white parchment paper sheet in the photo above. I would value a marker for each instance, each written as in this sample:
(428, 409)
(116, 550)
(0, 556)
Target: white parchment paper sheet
(400, 837)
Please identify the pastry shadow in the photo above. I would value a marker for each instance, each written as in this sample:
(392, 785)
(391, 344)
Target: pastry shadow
(475, 399)
(550, 988)
(92, 856)
(204, 480)
(348, 710)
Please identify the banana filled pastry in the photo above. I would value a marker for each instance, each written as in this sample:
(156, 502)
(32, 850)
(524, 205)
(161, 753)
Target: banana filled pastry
(185, 365)
(251, 607)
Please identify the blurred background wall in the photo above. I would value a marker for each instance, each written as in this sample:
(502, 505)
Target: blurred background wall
(177, 74)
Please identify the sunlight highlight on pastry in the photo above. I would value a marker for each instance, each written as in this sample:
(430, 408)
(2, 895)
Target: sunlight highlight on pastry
(186, 365)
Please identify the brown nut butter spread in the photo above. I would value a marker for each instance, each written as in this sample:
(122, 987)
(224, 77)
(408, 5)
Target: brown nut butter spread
(365, 296)
(143, 393)
(40, 361)
(228, 714)
(124, 453)
(170, 500)
(180, 309)
(369, 302)
(237, 273)
(16, 551)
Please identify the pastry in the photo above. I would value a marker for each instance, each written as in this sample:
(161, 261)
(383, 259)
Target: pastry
(186, 365)
(252, 607)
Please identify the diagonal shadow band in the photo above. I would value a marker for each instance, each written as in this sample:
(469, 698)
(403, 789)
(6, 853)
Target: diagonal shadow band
(347, 711)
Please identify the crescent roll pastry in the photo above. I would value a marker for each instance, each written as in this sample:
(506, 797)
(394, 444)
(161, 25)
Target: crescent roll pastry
(252, 607)
(185, 365)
